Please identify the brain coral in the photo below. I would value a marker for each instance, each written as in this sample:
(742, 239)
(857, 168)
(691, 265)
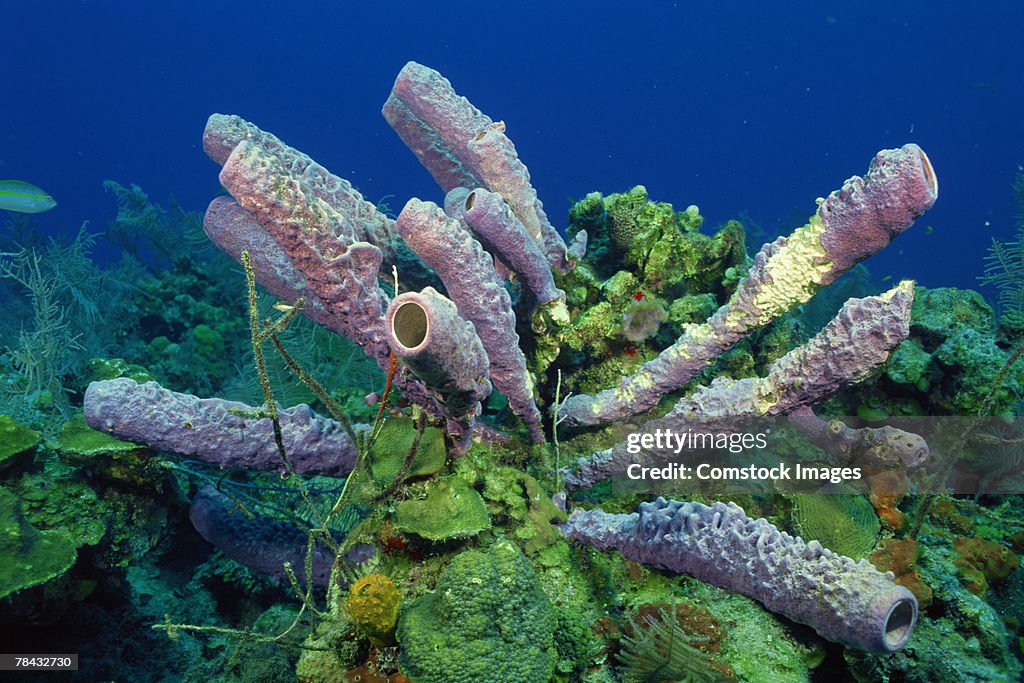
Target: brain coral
(488, 620)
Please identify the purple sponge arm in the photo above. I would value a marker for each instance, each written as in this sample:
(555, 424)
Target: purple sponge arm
(322, 244)
(462, 147)
(223, 133)
(216, 431)
(494, 159)
(427, 334)
(854, 344)
(507, 239)
(435, 123)
(260, 543)
(467, 272)
(843, 600)
(854, 222)
(234, 230)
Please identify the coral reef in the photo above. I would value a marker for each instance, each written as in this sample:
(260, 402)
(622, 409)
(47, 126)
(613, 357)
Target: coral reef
(457, 558)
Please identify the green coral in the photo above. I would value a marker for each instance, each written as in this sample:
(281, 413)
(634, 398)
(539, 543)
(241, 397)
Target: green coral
(28, 557)
(208, 349)
(330, 651)
(519, 497)
(99, 369)
(78, 438)
(79, 444)
(487, 620)
(665, 247)
(846, 524)
(971, 362)
(910, 365)
(450, 509)
(394, 442)
(648, 271)
(15, 439)
(937, 313)
(68, 507)
(575, 644)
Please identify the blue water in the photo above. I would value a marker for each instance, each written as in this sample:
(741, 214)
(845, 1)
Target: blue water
(752, 106)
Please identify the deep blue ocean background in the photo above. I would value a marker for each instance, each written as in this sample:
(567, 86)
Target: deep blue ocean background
(739, 107)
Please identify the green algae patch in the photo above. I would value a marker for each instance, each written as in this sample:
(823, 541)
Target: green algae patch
(111, 368)
(28, 556)
(15, 439)
(393, 444)
(451, 509)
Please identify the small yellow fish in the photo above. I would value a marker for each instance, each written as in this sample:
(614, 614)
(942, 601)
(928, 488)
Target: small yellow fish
(886, 278)
(17, 195)
(928, 229)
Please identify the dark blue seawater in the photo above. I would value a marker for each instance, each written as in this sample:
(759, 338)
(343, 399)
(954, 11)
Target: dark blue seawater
(741, 106)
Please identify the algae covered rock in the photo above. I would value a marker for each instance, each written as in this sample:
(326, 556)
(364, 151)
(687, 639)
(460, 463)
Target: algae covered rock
(487, 620)
(666, 247)
(939, 312)
(451, 509)
(949, 365)
(519, 497)
(971, 361)
(71, 508)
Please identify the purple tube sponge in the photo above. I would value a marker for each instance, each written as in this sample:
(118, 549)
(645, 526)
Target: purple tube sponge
(467, 272)
(507, 239)
(261, 543)
(454, 203)
(855, 343)
(843, 600)
(436, 123)
(321, 243)
(216, 431)
(852, 224)
(884, 446)
(462, 147)
(234, 230)
(427, 333)
(494, 159)
(324, 245)
(223, 133)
